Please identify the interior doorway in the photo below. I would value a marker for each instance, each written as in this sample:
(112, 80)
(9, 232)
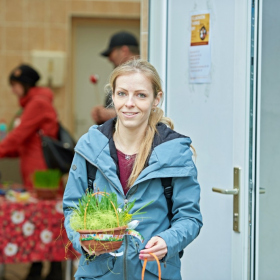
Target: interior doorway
(90, 37)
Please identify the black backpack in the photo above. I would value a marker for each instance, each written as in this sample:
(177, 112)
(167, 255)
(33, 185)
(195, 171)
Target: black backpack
(58, 153)
(166, 183)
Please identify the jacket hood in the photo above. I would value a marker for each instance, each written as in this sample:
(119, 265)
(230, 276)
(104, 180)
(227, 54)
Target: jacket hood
(170, 154)
(35, 92)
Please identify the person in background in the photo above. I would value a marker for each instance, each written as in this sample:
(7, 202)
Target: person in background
(123, 46)
(132, 153)
(23, 141)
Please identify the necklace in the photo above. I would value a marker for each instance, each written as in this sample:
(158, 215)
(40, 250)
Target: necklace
(127, 157)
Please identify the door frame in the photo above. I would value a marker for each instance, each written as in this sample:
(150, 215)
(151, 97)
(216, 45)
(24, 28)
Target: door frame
(258, 44)
(86, 20)
(128, 10)
(241, 124)
(258, 93)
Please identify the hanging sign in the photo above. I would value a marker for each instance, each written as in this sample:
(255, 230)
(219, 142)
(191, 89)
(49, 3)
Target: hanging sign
(200, 48)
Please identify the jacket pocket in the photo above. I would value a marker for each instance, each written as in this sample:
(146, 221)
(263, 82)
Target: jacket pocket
(169, 271)
(96, 268)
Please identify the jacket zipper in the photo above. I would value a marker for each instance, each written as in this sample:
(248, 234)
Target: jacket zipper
(124, 258)
(126, 239)
(125, 203)
(125, 249)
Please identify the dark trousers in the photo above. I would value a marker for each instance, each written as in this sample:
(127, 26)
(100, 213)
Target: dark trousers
(35, 271)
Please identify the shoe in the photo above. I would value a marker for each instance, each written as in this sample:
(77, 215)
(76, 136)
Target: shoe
(55, 272)
(35, 271)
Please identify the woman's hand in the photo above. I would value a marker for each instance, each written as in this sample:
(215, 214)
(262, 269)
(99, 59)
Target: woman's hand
(155, 245)
(100, 114)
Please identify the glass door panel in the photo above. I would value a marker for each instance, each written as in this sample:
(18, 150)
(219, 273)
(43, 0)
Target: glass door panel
(268, 151)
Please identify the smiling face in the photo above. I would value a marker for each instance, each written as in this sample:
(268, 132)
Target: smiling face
(134, 99)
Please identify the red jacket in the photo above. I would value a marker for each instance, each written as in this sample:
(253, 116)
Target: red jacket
(24, 141)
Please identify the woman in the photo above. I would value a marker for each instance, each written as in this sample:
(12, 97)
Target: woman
(38, 114)
(132, 153)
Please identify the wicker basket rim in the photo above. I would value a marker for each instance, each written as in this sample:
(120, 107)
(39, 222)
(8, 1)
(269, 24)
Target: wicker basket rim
(46, 189)
(85, 231)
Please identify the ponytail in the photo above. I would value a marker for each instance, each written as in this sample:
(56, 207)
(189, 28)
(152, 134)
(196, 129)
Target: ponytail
(156, 117)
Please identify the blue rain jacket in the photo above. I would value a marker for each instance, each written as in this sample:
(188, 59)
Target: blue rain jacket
(170, 157)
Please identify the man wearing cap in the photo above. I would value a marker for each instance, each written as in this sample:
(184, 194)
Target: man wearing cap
(123, 46)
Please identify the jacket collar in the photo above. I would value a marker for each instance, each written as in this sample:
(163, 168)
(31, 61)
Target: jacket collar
(34, 92)
(108, 129)
(164, 134)
(25, 99)
(167, 158)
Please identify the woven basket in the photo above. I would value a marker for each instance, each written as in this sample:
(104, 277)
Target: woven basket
(97, 245)
(46, 193)
(100, 246)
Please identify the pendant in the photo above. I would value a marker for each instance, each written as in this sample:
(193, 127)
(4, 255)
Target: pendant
(127, 157)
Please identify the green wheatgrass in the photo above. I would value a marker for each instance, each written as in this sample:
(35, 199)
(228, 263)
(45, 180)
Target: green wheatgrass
(49, 179)
(100, 213)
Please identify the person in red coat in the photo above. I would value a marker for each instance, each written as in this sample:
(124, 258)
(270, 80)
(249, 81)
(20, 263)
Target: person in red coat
(38, 115)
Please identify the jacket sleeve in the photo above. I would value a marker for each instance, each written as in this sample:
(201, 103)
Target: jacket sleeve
(31, 119)
(75, 188)
(187, 220)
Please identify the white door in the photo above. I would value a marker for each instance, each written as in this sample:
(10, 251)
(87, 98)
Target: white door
(217, 118)
(91, 36)
(267, 226)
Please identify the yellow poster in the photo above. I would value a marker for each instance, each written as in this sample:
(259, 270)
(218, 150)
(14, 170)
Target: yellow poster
(200, 47)
(200, 29)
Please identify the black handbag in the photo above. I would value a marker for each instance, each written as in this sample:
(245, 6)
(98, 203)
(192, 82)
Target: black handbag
(58, 153)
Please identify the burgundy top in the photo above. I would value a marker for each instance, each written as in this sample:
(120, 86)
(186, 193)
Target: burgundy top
(125, 166)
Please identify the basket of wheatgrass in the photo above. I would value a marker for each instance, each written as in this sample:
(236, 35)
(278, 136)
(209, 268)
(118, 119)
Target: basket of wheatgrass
(102, 223)
(47, 183)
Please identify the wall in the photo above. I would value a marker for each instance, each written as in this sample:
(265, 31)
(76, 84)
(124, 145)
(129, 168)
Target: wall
(144, 29)
(46, 25)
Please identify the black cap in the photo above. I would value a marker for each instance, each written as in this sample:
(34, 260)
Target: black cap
(120, 39)
(25, 74)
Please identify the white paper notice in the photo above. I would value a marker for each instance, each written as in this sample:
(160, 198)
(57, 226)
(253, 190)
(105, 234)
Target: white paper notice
(200, 48)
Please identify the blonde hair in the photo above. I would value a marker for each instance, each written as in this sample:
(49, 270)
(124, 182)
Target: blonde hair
(156, 116)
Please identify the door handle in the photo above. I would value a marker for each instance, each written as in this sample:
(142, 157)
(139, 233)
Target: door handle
(236, 197)
(225, 191)
(262, 190)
